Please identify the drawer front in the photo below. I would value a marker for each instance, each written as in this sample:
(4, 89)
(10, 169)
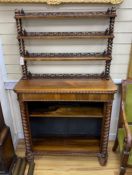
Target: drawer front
(67, 97)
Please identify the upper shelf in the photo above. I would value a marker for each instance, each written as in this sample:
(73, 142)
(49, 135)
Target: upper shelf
(65, 35)
(56, 2)
(94, 14)
(67, 111)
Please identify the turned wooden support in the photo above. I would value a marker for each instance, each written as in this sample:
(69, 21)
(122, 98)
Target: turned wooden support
(26, 130)
(103, 156)
(124, 159)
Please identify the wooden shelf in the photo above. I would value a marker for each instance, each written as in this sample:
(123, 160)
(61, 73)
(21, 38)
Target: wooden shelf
(66, 56)
(35, 15)
(65, 35)
(68, 111)
(74, 146)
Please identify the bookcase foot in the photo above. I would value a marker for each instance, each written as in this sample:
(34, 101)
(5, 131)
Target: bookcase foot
(102, 159)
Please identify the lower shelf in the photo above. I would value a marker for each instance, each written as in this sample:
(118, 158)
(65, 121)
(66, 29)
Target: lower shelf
(66, 146)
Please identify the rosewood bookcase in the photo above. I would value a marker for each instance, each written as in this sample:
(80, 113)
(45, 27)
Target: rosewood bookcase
(66, 113)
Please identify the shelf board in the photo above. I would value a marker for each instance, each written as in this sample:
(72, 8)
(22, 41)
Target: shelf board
(66, 57)
(65, 35)
(69, 111)
(53, 15)
(61, 146)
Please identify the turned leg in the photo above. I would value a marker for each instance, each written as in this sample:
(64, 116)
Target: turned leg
(124, 161)
(103, 155)
(122, 170)
(102, 158)
(115, 144)
(26, 130)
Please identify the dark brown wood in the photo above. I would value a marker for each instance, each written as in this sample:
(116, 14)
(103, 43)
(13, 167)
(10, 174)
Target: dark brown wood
(21, 47)
(20, 14)
(105, 133)
(107, 34)
(66, 76)
(26, 128)
(110, 45)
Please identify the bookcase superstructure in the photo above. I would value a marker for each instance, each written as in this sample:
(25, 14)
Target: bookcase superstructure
(26, 56)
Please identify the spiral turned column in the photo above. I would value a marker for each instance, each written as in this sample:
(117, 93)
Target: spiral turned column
(26, 130)
(110, 44)
(21, 46)
(107, 69)
(103, 155)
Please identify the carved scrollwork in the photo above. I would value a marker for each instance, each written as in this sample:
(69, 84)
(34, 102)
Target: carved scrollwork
(66, 76)
(22, 14)
(95, 54)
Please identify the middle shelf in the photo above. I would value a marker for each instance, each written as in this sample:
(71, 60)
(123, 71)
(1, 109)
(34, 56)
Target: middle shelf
(65, 35)
(66, 56)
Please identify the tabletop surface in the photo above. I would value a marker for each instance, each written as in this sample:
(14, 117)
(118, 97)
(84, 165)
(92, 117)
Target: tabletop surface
(65, 85)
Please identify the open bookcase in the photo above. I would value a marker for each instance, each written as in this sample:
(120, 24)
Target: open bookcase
(65, 127)
(66, 113)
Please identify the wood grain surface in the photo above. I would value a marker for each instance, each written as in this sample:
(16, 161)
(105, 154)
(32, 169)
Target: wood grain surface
(66, 146)
(65, 86)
